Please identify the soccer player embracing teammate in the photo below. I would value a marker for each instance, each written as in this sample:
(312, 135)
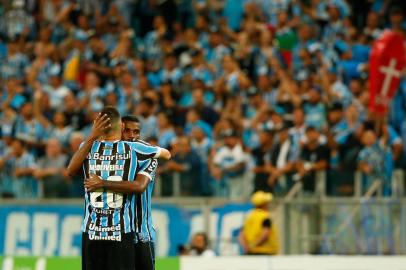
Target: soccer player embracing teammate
(115, 218)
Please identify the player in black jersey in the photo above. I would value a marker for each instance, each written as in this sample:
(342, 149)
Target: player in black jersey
(109, 225)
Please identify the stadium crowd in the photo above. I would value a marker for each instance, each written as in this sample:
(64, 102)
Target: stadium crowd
(247, 94)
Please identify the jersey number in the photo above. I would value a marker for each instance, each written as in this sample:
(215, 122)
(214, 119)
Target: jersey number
(114, 200)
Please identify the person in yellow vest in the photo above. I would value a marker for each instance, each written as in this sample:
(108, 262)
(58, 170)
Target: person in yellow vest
(259, 235)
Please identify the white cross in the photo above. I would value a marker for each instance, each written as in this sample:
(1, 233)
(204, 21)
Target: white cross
(390, 72)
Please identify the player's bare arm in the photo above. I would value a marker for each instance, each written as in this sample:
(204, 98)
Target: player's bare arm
(101, 123)
(164, 154)
(137, 186)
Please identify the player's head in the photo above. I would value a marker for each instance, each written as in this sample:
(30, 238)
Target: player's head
(115, 120)
(131, 128)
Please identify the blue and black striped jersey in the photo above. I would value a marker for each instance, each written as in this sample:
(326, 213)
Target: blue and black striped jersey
(144, 229)
(108, 214)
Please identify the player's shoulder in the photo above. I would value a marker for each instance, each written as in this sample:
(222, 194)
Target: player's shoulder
(143, 142)
(137, 143)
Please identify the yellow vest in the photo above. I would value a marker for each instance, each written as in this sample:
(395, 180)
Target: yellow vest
(252, 231)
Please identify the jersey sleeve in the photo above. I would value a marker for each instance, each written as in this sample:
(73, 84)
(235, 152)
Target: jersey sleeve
(148, 168)
(145, 151)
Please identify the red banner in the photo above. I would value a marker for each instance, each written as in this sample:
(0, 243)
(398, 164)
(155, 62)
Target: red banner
(387, 61)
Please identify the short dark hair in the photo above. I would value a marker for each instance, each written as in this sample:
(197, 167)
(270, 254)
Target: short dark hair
(148, 101)
(21, 142)
(130, 118)
(311, 129)
(114, 116)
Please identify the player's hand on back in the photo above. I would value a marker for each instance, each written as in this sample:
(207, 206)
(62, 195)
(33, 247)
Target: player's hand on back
(100, 124)
(93, 183)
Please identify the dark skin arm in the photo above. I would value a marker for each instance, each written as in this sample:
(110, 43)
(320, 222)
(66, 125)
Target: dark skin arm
(100, 124)
(263, 237)
(128, 187)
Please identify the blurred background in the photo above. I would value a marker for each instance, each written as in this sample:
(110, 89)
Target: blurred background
(249, 95)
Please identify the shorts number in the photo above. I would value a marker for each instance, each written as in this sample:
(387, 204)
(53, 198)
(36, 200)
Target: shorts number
(114, 200)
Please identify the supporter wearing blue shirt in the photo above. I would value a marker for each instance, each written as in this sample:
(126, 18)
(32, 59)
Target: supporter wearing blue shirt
(372, 162)
(29, 129)
(199, 70)
(215, 53)
(15, 64)
(111, 38)
(127, 93)
(338, 125)
(92, 96)
(397, 109)
(315, 110)
(55, 88)
(201, 30)
(202, 145)
(13, 95)
(151, 46)
(21, 167)
(394, 144)
(145, 112)
(59, 129)
(338, 91)
(233, 10)
(166, 133)
(170, 71)
(193, 119)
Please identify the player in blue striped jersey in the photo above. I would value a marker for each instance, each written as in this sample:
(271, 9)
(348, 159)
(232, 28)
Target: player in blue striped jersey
(144, 231)
(109, 224)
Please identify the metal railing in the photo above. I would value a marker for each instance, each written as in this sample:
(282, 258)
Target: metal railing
(397, 185)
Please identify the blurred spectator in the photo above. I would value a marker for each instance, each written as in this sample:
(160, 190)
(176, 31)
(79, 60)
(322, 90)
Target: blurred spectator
(166, 131)
(282, 162)
(314, 109)
(201, 99)
(145, 112)
(19, 166)
(229, 166)
(92, 96)
(314, 157)
(55, 89)
(50, 171)
(202, 145)
(262, 156)
(371, 161)
(200, 246)
(193, 119)
(259, 235)
(187, 165)
(74, 114)
(28, 129)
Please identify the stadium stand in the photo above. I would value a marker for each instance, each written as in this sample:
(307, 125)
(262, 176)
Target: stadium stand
(253, 95)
